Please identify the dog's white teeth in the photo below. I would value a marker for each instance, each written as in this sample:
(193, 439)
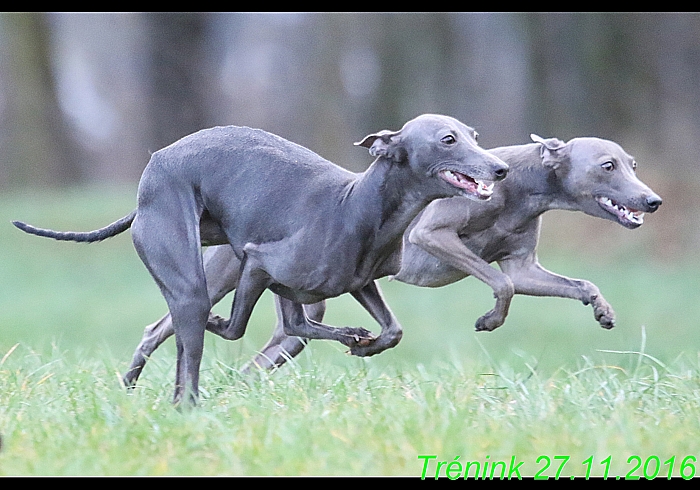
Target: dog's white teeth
(453, 175)
(623, 212)
(485, 187)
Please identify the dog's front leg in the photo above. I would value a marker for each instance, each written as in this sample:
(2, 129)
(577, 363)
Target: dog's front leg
(530, 278)
(252, 283)
(444, 243)
(297, 324)
(281, 347)
(370, 297)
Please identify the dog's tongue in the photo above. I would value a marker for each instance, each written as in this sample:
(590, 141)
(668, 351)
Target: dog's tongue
(473, 186)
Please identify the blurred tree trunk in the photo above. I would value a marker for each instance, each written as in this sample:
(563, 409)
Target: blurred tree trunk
(36, 146)
(414, 52)
(180, 74)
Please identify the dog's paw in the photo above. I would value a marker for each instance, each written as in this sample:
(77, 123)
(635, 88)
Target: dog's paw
(379, 344)
(355, 337)
(363, 351)
(603, 313)
(605, 317)
(489, 322)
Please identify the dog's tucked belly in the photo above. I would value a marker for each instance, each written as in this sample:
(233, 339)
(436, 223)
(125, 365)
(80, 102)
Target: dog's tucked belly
(312, 288)
(300, 296)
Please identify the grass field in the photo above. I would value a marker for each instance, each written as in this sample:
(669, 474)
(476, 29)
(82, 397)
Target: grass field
(549, 383)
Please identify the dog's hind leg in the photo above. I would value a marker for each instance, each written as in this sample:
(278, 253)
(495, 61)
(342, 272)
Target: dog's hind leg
(155, 334)
(169, 246)
(222, 269)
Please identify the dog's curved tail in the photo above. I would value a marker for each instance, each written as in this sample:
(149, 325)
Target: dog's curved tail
(108, 231)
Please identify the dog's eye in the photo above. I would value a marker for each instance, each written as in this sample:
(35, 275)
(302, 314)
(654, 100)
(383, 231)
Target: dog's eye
(476, 137)
(608, 166)
(634, 165)
(448, 140)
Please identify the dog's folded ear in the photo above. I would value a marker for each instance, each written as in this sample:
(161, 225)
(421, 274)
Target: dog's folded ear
(386, 144)
(552, 150)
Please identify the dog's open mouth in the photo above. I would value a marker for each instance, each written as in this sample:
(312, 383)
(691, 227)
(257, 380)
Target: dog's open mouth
(473, 187)
(629, 217)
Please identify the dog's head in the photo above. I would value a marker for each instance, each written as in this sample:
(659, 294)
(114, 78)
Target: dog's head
(599, 178)
(443, 150)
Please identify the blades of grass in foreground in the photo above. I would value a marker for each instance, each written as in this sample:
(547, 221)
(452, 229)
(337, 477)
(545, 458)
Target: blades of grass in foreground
(65, 417)
(640, 353)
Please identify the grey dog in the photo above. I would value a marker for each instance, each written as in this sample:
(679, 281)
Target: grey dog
(297, 224)
(455, 238)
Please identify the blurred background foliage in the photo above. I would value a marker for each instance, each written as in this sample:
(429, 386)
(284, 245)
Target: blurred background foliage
(85, 98)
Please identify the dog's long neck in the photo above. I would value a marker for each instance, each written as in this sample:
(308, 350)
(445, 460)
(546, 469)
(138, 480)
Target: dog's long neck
(534, 185)
(385, 198)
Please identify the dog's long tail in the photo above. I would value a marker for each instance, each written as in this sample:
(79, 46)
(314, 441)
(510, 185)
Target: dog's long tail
(108, 231)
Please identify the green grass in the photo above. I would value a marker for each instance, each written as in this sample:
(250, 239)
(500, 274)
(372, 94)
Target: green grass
(550, 382)
(72, 418)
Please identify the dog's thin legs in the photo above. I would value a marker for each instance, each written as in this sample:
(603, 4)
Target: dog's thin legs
(253, 281)
(180, 375)
(188, 320)
(444, 243)
(190, 346)
(221, 268)
(182, 282)
(281, 347)
(370, 297)
(531, 279)
(297, 324)
(155, 334)
(252, 284)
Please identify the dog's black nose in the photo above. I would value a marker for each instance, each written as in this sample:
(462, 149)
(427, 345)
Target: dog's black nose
(653, 202)
(501, 173)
